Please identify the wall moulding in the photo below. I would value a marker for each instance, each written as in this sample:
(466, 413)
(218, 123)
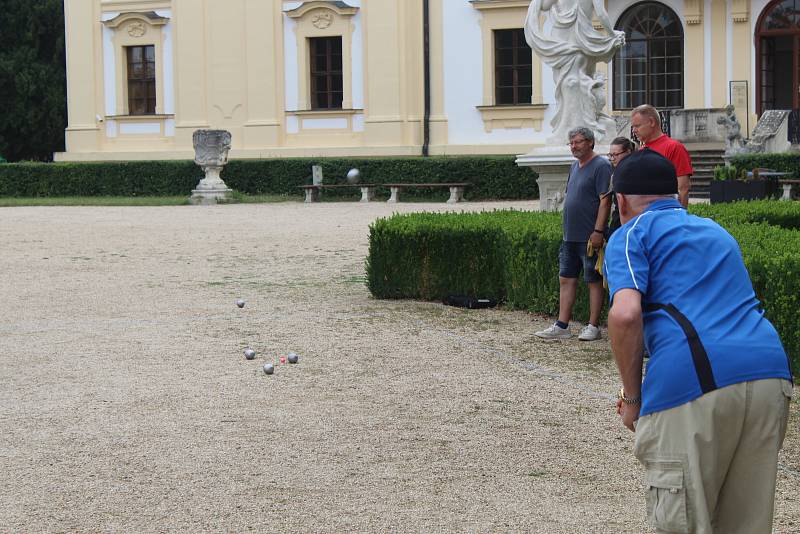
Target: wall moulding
(139, 5)
(340, 8)
(148, 18)
(740, 11)
(693, 11)
(512, 117)
(499, 4)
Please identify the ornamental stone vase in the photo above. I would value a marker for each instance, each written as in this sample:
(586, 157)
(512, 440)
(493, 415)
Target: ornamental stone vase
(211, 154)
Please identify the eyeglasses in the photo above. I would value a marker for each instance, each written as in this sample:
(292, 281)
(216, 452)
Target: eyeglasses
(613, 155)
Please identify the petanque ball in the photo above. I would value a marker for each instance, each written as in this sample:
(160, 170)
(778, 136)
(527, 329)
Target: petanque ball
(249, 353)
(269, 368)
(240, 303)
(353, 175)
(293, 358)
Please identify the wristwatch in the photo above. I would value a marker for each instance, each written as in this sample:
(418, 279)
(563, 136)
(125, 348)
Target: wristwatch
(621, 396)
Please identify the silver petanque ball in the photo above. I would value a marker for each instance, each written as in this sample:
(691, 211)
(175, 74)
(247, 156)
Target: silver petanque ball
(353, 175)
(240, 303)
(249, 353)
(292, 357)
(269, 368)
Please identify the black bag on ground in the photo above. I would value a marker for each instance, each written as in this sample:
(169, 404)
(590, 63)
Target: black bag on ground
(463, 301)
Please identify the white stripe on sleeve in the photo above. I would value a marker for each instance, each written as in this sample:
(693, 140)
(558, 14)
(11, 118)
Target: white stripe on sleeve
(627, 242)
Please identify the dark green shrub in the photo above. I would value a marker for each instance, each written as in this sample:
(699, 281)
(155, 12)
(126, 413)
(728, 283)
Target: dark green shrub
(729, 172)
(783, 214)
(509, 255)
(98, 179)
(772, 256)
(783, 162)
(514, 255)
(492, 177)
(428, 256)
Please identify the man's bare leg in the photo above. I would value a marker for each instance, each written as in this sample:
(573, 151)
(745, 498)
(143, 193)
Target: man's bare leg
(566, 298)
(596, 297)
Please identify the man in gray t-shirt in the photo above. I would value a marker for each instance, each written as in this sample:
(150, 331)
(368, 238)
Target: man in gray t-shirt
(588, 180)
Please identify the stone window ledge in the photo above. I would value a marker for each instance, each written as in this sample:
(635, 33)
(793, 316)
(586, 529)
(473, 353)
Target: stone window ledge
(503, 117)
(139, 118)
(323, 113)
(499, 4)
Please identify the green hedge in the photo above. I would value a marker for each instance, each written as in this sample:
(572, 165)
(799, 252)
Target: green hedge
(513, 256)
(508, 255)
(783, 214)
(783, 162)
(772, 256)
(428, 256)
(98, 179)
(493, 177)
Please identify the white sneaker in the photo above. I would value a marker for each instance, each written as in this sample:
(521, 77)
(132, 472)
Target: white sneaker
(554, 332)
(589, 333)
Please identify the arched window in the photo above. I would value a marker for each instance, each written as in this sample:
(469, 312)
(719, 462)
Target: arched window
(778, 47)
(649, 68)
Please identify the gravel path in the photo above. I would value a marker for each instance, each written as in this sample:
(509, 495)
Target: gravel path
(126, 404)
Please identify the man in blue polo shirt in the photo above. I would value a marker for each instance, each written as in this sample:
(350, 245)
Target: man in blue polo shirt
(711, 414)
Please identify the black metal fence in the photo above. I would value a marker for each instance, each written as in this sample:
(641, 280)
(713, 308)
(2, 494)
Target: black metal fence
(665, 122)
(794, 126)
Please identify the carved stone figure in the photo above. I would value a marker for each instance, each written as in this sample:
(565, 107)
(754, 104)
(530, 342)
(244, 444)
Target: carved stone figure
(572, 50)
(734, 142)
(211, 153)
(770, 133)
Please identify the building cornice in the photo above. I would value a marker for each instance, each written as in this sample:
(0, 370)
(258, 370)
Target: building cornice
(150, 17)
(340, 8)
(693, 12)
(499, 4)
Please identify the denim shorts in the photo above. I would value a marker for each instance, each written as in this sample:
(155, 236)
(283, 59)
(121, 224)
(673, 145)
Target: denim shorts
(572, 259)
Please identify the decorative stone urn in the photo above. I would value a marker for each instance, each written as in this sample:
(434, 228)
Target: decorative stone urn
(211, 153)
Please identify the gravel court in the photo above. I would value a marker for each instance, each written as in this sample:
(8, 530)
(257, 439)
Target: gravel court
(126, 404)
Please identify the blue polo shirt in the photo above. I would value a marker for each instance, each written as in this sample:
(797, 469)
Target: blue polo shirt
(703, 326)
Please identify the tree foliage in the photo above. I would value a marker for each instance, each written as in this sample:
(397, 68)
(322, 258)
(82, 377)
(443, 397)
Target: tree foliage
(32, 79)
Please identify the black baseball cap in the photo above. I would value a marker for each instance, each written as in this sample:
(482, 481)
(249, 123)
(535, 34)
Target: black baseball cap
(645, 172)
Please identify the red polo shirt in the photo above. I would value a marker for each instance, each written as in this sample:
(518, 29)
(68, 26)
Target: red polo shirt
(675, 152)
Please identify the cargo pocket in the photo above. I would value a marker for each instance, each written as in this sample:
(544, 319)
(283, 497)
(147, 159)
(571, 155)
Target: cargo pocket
(666, 497)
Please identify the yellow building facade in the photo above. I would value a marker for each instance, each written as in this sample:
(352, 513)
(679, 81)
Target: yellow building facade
(355, 77)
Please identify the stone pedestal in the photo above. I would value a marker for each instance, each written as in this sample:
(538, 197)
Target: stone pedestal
(211, 153)
(552, 164)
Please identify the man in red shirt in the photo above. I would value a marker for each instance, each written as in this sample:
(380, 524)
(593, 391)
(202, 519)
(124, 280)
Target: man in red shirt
(646, 126)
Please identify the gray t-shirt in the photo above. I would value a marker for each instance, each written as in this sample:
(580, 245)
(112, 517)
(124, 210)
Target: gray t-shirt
(584, 188)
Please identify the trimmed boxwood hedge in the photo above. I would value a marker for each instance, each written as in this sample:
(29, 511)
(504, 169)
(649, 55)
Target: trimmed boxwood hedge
(783, 162)
(506, 255)
(513, 256)
(783, 214)
(492, 177)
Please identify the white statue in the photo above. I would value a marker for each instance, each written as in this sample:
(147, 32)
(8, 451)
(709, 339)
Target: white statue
(734, 142)
(572, 50)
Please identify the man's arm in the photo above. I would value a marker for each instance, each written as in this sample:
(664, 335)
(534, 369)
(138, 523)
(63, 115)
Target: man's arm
(602, 221)
(684, 184)
(625, 329)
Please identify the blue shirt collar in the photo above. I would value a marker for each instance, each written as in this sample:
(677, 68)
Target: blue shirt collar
(666, 204)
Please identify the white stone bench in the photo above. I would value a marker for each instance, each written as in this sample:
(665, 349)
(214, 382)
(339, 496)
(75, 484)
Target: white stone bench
(456, 190)
(312, 191)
